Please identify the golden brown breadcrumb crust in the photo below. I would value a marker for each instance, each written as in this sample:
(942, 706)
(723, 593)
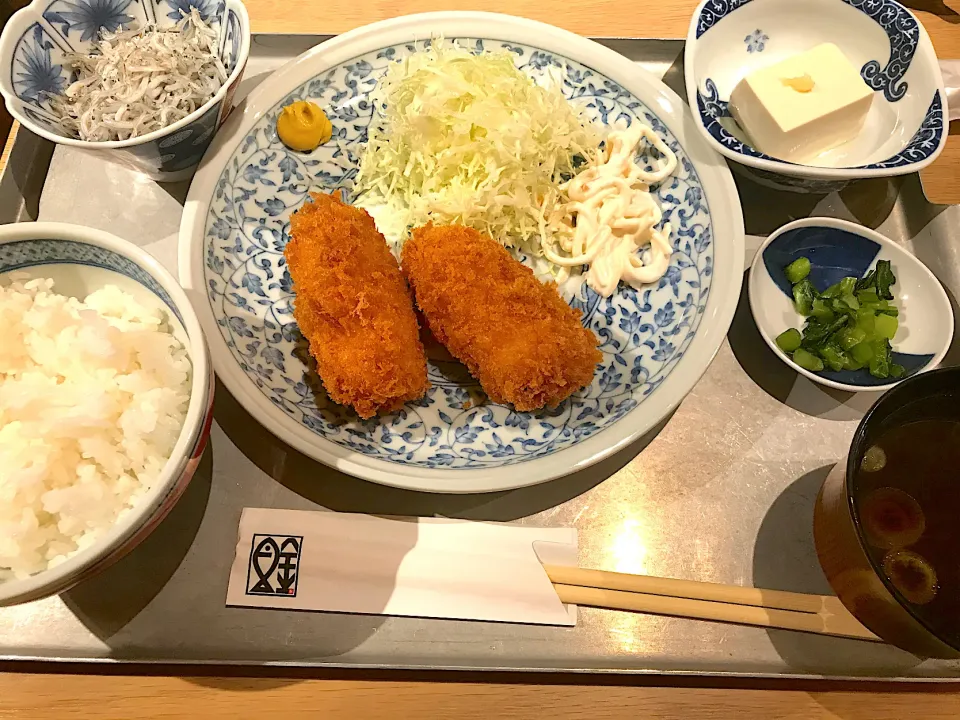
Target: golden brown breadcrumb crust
(354, 307)
(516, 335)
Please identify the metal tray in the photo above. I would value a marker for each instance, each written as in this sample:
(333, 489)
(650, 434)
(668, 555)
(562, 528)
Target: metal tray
(723, 491)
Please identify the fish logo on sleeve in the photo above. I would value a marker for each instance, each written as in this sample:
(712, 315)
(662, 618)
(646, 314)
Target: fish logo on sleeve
(274, 564)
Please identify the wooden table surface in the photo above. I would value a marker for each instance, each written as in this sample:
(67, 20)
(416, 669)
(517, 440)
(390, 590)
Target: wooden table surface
(28, 692)
(83, 697)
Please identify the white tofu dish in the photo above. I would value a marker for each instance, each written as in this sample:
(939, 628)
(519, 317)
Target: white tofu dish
(803, 106)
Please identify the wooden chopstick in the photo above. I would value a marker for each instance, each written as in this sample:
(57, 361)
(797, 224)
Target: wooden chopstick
(685, 589)
(821, 614)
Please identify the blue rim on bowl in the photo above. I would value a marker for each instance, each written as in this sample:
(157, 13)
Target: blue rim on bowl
(103, 257)
(656, 341)
(838, 249)
(906, 130)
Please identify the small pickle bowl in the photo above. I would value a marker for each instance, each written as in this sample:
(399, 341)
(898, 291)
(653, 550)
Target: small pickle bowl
(905, 129)
(835, 249)
(81, 260)
(871, 528)
(37, 38)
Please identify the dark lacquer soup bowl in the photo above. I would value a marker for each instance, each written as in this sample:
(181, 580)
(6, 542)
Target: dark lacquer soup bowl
(887, 521)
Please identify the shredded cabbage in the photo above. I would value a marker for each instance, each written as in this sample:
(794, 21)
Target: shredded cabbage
(470, 139)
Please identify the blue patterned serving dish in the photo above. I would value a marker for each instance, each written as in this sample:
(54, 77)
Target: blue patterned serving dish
(906, 127)
(37, 37)
(656, 342)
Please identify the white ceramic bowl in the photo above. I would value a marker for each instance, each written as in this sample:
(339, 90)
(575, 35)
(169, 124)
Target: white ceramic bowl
(37, 37)
(906, 127)
(656, 342)
(837, 249)
(80, 260)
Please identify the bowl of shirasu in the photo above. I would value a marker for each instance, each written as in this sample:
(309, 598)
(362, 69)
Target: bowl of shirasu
(146, 83)
(106, 402)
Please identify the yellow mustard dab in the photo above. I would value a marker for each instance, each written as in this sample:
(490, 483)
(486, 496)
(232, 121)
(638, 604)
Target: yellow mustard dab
(303, 126)
(803, 84)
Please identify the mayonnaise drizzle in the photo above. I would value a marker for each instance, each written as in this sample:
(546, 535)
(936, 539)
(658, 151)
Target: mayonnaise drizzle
(615, 215)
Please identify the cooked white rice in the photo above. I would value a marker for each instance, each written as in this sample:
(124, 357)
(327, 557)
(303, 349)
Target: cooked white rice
(93, 395)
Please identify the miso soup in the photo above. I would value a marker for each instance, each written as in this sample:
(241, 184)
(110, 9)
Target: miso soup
(907, 498)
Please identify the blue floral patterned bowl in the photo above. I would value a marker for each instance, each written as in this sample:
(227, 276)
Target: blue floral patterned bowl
(36, 38)
(906, 127)
(656, 342)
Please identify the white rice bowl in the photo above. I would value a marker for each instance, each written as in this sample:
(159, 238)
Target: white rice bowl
(93, 398)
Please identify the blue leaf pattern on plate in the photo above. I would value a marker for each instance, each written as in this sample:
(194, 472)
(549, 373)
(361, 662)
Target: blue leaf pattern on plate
(642, 335)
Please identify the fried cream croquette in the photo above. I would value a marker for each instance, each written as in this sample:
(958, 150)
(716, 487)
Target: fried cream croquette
(515, 334)
(354, 307)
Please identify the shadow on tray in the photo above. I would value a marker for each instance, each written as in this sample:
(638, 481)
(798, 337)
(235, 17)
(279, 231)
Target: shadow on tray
(107, 602)
(780, 381)
(166, 599)
(785, 558)
(341, 492)
(871, 202)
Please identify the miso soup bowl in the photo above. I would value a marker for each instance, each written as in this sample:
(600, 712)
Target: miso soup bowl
(841, 544)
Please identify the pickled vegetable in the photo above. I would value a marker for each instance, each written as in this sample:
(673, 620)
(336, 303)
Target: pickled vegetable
(833, 356)
(797, 270)
(880, 362)
(848, 337)
(807, 361)
(832, 291)
(880, 278)
(803, 294)
(886, 326)
(848, 326)
(789, 340)
(822, 311)
(862, 352)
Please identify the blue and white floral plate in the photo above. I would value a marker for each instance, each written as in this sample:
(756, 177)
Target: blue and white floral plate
(906, 127)
(656, 343)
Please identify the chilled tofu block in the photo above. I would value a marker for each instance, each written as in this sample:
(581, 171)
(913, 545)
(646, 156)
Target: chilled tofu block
(802, 106)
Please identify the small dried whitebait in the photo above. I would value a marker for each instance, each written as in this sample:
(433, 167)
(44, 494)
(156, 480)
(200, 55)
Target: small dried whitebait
(141, 81)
